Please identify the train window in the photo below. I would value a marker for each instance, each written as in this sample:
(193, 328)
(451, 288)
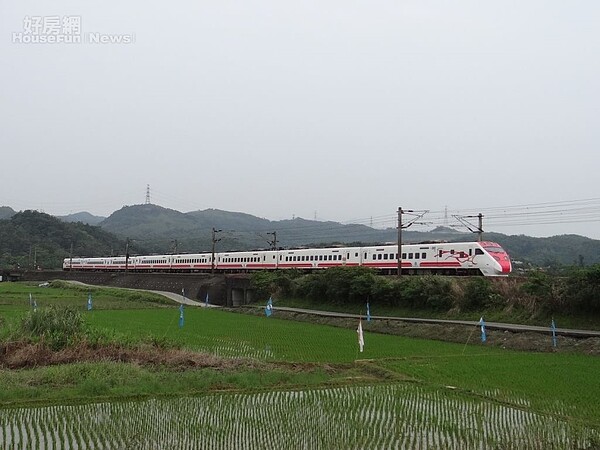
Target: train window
(379, 256)
(403, 255)
(417, 256)
(470, 252)
(452, 252)
(365, 256)
(330, 257)
(391, 256)
(423, 255)
(410, 256)
(356, 255)
(478, 251)
(374, 256)
(385, 256)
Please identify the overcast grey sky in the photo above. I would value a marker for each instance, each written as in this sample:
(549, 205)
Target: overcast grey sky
(343, 110)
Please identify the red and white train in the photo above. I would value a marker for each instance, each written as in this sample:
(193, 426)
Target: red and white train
(458, 258)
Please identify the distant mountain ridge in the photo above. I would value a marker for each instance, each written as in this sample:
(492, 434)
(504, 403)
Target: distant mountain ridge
(83, 217)
(6, 212)
(160, 227)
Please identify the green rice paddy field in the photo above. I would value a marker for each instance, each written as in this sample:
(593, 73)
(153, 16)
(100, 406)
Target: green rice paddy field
(320, 391)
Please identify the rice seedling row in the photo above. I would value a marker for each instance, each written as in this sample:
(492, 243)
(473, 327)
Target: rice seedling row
(403, 416)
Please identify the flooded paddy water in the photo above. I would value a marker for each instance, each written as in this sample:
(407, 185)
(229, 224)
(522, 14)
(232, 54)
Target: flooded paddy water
(402, 416)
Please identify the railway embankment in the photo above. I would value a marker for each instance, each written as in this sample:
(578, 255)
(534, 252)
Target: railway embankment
(221, 289)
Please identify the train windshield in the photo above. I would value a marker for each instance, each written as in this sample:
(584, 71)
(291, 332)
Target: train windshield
(494, 249)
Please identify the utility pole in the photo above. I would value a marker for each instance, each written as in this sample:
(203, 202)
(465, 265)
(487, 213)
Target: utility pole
(126, 254)
(400, 227)
(214, 241)
(273, 243)
(175, 246)
(71, 257)
(472, 228)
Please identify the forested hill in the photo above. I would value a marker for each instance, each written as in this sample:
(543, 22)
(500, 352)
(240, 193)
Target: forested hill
(30, 238)
(6, 212)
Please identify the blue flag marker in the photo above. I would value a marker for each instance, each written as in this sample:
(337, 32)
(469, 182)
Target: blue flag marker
(181, 316)
(32, 302)
(483, 335)
(368, 313)
(89, 302)
(269, 308)
(553, 327)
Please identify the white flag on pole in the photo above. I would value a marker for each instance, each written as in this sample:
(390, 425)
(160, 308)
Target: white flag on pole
(361, 338)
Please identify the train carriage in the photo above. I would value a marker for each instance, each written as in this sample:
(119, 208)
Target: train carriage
(457, 258)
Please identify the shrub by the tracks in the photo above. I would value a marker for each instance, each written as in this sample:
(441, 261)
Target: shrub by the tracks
(536, 297)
